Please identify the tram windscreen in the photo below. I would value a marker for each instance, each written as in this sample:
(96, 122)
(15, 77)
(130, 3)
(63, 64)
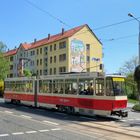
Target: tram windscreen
(119, 86)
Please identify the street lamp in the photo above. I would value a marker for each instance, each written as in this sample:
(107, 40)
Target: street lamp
(130, 15)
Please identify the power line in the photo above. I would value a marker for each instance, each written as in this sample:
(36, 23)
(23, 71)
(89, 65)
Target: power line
(114, 24)
(98, 28)
(119, 38)
(64, 23)
(46, 12)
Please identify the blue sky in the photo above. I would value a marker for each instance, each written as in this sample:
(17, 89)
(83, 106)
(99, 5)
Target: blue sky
(20, 22)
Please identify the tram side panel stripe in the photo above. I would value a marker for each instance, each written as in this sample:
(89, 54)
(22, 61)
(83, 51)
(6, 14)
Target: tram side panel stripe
(98, 104)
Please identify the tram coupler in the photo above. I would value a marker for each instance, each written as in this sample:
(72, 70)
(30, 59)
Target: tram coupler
(121, 113)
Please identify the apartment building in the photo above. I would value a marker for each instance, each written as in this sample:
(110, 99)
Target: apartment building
(75, 50)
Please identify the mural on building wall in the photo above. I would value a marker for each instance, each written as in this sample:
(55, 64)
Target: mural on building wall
(77, 56)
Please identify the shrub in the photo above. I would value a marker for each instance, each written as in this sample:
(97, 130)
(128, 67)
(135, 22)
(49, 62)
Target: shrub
(136, 107)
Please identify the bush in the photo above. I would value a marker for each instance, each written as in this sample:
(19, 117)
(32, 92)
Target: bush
(136, 107)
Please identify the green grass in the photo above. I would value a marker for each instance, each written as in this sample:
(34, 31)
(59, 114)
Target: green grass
(132, 101)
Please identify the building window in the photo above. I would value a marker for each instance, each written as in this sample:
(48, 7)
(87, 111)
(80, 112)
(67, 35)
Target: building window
(88, 46)
(51, 59)
(11, 58)
(54, 59)
(62, 45)
(50, 48)
(88, 58)
(40, 50)
(40, 61)
(37, 72)
(50, 71)
(54, 70)
(37, 52)
(11, 67)
(33, 63)
(37, 62)
(54, 46)
(40, 72)
(62, 69)
(62, 57)
(33, 52)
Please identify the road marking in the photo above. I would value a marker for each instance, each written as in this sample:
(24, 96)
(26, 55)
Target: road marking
(18, 133)
(50, 122)
(8, 112)
(30, 132)
(56, 129)
(45, 130)
(137, 119)
(123, 120)
(25, 116)
(4, 135)
(130, 119)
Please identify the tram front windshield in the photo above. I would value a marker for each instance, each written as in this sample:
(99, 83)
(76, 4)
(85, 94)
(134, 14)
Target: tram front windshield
(119, 86)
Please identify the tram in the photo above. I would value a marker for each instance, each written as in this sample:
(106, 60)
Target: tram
(82, 93)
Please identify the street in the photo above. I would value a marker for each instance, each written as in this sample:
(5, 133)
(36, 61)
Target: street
(28, 123)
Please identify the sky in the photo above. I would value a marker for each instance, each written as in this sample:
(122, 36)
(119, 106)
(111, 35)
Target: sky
(22, 22)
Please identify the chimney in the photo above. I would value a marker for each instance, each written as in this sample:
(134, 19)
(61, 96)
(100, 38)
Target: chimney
(62, 31)
(48, 36)
(35, 40)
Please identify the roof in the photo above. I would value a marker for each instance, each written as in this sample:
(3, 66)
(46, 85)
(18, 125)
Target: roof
(57, 37)
(51, 39)
(10, 52)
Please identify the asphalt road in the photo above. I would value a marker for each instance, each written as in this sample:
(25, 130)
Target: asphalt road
(27, 123)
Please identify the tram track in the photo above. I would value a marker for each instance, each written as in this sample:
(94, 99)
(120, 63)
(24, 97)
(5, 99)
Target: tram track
(112, 129)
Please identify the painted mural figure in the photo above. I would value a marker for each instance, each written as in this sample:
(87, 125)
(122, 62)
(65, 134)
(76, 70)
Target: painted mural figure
(77, 56)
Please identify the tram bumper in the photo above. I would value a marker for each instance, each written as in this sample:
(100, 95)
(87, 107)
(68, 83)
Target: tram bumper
(120, 112)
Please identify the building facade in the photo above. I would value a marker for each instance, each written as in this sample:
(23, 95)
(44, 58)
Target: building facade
(75, 50)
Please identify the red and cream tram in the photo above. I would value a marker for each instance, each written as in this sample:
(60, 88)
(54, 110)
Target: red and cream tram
(83, 93)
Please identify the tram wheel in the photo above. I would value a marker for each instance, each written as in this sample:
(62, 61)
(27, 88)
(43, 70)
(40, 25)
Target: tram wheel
(70, 110)
(61, 108)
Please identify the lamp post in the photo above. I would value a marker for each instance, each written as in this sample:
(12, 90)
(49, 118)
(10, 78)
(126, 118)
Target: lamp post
(130, 15)
(137, 68)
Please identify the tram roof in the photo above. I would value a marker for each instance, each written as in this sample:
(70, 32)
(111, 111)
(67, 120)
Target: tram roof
(73, 75)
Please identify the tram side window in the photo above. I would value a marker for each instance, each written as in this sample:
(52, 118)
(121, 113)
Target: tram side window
(58, 86)
(40, 86)
(13, 85)
(109, 87)
(86, 87)
(71, 86)
(44, 86)
(99, 86)
(7, 86)
(29, 86)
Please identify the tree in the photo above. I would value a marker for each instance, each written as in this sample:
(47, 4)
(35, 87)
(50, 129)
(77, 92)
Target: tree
(27, 73)
(128, 70)
(129, 66)
(4, 63)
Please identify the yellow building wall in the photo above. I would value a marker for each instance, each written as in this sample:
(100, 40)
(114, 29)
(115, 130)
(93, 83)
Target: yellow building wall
(49, 54)
(86, 36)
(56, 53)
